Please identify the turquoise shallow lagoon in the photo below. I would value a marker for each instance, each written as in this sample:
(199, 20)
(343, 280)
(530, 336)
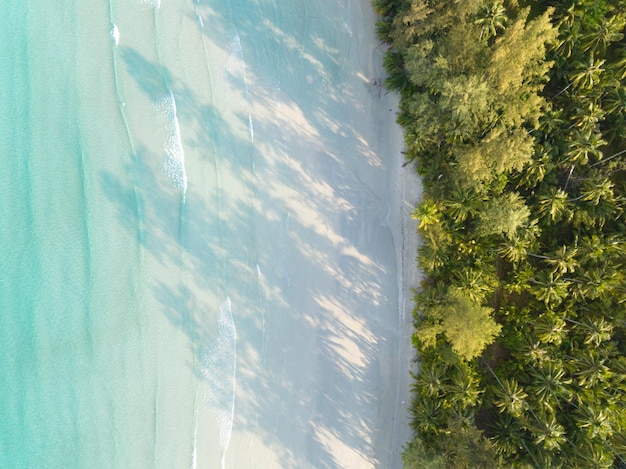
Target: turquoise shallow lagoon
(197, 264)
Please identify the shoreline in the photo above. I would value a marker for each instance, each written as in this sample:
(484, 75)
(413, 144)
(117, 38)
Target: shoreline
(403, 191)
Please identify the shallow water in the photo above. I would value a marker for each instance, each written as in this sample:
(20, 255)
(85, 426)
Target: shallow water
(167, 244)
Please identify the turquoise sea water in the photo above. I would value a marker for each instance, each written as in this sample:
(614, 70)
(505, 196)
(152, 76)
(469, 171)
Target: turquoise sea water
(154, 208)
(79, 363)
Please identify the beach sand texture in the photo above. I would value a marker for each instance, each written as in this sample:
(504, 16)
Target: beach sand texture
(216, 236)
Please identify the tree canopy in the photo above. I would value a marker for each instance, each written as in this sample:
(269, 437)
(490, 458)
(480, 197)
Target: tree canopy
(516, 118)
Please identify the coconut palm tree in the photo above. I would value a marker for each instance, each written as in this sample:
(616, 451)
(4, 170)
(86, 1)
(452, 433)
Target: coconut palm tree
(549, 328)
(607, 31)
(566, 16)
(552, 203)
(508, 435)
(591, 370)
(427, 213)
(549, 288)
(582, 146)
(514, 249)
(549, 433)
(473, 284)
(619, 66)
(596, 330)
(596, 190)
(428, 416)
(511, 397)
(614, 100)
(431, 256)
(585, 75)
(593, 456)
(491, 19)
(550, 384)
(597, 283)
(534, 351)
(587, 115)
(464, 390)
(461, 204)
(567, 42)
(431, 379)
(594, 422)
(563, 260)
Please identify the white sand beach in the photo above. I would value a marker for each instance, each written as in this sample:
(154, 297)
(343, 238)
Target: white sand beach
(327, 387)
(275, 252)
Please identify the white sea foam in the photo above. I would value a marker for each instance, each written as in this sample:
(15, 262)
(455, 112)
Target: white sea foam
(200, 21)
(115, 34)
(174, 160)
(218, 367)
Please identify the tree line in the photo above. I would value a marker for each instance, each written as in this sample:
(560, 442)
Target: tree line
(514, 114)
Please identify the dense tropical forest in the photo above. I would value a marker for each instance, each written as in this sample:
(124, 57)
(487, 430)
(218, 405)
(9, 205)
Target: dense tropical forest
(515, 117)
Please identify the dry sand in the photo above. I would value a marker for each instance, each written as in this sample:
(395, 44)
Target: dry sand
(328, 385)
(297, 212)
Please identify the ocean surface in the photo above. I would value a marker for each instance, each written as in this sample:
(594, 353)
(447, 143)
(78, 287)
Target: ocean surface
(159, 254)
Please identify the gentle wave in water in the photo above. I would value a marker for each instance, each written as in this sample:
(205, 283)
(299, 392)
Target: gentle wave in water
(174, 160)
(218, 367)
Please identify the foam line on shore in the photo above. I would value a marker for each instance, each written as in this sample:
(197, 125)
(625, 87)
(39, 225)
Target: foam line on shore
(174, 160)
(218, 366)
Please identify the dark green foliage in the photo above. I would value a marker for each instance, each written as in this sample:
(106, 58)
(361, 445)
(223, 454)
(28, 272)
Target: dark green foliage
(517, 121)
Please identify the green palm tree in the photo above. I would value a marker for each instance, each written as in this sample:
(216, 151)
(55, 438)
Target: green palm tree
(587, 115)
(550, 329)
(534, 351)
(586, 75)
(431, 256)
(464, 390)
(491, 19)
(549, 288)
(596, 330)
(514, 249)
(427, 213)
(618, 369)
(566, 16)
(591, 370)
(427, 414)
(473, 284)
(596, 190)
(431, 380)
(550, 384)
(593, 249)
(536, 170)
(552, 121)
(614, 100)
(549, 433)
(594, 422)
(567, 41)
(552, 203)
(598, 282)
(511, 397)
(607, 31)
(461, 204)
(508, 435)
(582, 146)
(563, 260)
(619, 66)
(593, 456)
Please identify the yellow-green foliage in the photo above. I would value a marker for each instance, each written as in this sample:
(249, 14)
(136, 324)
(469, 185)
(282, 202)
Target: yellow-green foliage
(468, 326)
(517, 120)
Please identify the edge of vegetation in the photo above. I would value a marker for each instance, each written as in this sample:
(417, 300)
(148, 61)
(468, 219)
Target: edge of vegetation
(514, 115)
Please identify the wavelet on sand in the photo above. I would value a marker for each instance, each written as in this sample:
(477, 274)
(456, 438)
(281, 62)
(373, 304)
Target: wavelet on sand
(174, 160)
